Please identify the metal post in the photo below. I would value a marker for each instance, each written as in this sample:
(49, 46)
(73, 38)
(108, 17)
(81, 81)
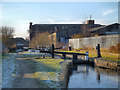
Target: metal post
(87, 56)
(74, 58)
(42, 48)
(64, 56)
(98, 50)
(69, 48)
(52, 51)
(43, 56)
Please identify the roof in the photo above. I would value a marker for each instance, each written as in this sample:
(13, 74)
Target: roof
(19, 39)
(101, 27)
(61, 24)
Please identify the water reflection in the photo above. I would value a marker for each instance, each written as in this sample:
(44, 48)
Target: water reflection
(98, 77)
(85, 76)
(84, 69)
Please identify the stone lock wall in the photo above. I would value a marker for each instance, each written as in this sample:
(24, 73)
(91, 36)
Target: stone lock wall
(107, 64)
(64, 75)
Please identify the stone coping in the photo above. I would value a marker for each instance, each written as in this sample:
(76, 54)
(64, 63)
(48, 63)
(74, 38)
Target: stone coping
(107, 64)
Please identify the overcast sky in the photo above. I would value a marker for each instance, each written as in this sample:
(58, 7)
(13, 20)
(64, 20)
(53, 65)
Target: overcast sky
(19, 14)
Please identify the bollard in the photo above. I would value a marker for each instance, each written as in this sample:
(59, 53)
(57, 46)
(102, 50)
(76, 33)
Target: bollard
(69, 48)
(98, 50)
(87, 56)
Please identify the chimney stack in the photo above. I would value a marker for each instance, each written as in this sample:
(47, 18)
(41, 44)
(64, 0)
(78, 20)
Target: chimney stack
(30, 25)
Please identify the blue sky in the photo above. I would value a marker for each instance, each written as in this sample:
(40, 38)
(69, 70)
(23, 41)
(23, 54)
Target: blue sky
(19, 14)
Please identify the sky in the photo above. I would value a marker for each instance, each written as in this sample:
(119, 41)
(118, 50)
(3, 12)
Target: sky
(19, 14)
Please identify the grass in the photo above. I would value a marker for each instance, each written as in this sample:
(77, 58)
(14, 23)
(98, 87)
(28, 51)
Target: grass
(51, 63)
(111, 59)
(46, 71)
(29, 55)
(105, 55)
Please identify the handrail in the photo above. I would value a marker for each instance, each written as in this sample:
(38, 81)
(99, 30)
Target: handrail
(58, 52)
(69, 53)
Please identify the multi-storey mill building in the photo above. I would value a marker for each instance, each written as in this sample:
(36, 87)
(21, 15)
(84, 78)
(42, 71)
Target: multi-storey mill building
(62, 31)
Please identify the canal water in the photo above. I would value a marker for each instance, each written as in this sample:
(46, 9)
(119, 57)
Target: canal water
(86, 76)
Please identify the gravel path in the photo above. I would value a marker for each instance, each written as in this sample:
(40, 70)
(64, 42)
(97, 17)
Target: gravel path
(8, 67)
(22, 72)
(25, 67)
(0, 72)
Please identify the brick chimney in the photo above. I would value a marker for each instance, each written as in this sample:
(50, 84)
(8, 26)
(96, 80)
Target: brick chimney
(30, 27)
(90, 21)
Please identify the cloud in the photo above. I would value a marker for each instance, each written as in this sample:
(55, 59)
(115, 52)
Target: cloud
(109, 12)
(70, 22)
(20, 26)
(60, 21)
(51, 21)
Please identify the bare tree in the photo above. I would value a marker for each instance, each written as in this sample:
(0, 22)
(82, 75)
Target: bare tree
(6, 34)
(85, 26)
(40, 39)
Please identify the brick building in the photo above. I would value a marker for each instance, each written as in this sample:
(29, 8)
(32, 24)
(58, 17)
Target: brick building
(20, 42)
(63, 31)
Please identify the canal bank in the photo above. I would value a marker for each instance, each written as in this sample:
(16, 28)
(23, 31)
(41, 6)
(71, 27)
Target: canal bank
(66, 66)
(107, 64)
(87, 76)
(98, 62)
(90, 74)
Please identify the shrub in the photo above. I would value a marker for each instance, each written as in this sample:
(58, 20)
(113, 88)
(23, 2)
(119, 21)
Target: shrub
(115, 49)
(78, 36)
(118, 48)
